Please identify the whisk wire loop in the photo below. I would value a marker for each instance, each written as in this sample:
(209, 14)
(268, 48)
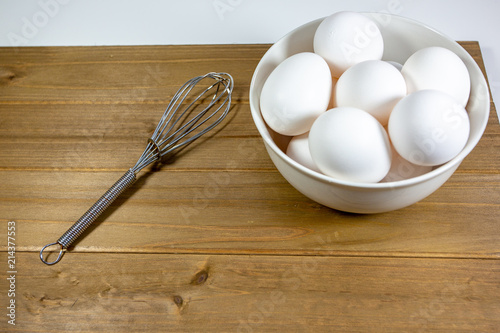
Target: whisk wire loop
(177, 126)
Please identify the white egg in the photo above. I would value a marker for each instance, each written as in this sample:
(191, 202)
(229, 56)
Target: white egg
(429, 127)
(298, 150)
(296, 92)
(374, 86)
(440, 69)
(350, 144)
(402, 169)
(347, 38)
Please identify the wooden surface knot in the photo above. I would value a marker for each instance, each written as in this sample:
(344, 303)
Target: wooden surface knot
(7, 75)
(200, 277)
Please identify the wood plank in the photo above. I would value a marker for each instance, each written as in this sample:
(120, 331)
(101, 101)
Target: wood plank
(124, 121)
(232, 293)
(238, 213)
(118, 73)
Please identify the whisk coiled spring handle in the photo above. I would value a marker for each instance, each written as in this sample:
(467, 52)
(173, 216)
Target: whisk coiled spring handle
(91, 215)
(177, 128)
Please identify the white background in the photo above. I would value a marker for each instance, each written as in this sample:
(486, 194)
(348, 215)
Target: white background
(140, 22)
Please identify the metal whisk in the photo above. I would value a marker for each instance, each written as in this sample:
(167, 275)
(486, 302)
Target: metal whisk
(189, 115)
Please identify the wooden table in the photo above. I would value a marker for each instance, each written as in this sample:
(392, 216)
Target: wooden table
(216, 241)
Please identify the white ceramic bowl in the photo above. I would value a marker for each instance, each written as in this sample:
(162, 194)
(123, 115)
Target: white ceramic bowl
(402, 37)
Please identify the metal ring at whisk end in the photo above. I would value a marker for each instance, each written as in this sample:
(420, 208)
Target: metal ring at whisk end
(61, 252)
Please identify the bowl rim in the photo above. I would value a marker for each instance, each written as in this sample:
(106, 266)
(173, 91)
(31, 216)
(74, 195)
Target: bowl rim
(453, 163)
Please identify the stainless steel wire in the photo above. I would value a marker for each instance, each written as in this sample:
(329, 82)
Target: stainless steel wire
(191, 113)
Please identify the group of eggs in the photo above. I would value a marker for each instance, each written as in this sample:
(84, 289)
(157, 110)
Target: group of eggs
(355, 117)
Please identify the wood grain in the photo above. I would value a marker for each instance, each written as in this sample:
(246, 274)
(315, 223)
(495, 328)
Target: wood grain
(235, 293)
(174, 214)
(74, 119)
